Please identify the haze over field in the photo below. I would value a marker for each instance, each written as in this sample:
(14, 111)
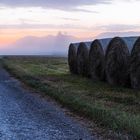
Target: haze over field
(47, 27)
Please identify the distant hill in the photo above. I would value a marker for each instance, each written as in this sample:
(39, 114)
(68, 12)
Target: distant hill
(130, 41)
(48, 45)
(121, 34)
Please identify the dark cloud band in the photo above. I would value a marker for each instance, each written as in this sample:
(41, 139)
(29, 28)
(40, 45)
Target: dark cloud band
(56, 4)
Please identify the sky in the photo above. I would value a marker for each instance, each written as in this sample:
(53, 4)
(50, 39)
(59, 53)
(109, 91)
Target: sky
(78, 19)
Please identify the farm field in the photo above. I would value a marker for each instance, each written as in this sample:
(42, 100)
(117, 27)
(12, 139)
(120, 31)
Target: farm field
(116, 108)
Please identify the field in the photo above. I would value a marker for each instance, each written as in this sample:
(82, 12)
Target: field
(110, 107)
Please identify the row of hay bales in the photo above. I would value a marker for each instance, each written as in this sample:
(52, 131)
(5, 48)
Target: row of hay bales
(115, 60)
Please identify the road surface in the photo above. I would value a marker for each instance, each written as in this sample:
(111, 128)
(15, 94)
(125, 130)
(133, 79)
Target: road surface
(26, 116)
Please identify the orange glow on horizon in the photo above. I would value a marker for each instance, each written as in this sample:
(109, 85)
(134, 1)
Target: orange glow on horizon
(9, 36)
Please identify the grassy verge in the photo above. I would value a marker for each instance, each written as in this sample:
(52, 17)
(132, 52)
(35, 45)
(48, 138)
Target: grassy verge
(113, 107)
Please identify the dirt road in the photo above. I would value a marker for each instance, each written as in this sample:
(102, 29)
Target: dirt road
(25, 116)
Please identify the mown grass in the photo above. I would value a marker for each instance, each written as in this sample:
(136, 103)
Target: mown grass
(114, 107)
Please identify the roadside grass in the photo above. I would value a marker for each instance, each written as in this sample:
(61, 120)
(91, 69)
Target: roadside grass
(113, 107)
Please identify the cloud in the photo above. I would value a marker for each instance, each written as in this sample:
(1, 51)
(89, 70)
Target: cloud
(39, 26)
(53, 4)
(71, 19)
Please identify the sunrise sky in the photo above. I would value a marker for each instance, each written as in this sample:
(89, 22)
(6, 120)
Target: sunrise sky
(83, 19)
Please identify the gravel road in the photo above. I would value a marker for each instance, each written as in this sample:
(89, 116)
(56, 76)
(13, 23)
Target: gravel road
(26, 116)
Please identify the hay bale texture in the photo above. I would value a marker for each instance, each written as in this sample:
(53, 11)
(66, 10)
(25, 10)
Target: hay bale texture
(135, 65)
(117, 62)
(83, 58)
(72, 58)
(97, 59)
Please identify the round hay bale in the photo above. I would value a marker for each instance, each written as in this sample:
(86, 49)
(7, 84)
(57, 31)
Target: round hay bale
(135, 65)
(83, 59)
(72, 58)
(96, 61)
(117, 62)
